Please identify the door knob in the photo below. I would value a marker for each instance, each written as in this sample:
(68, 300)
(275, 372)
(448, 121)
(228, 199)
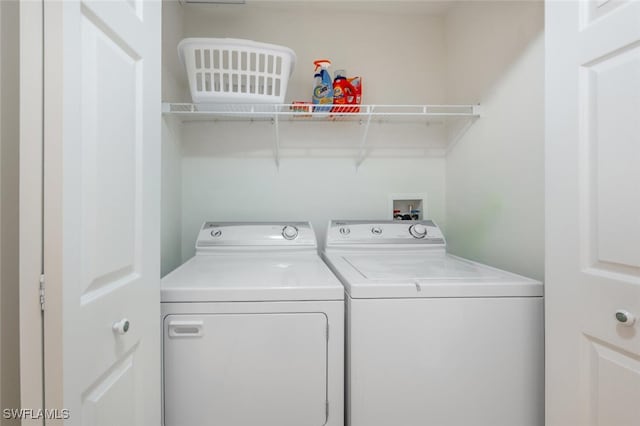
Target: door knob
(121, 327)
(625, 318)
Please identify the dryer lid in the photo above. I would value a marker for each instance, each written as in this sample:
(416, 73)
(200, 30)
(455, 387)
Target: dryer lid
(251, 277)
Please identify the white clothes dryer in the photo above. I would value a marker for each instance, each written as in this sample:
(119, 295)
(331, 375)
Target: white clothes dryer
(253, 330)
(434, 339)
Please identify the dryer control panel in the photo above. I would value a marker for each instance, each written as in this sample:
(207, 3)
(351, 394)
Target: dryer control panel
(255, 234)
(420, 232)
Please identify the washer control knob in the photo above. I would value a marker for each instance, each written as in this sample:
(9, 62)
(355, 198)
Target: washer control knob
(216, 233)
(289, 232)
(344, 230)
(376, 230)
(418, 231)
(625, 318)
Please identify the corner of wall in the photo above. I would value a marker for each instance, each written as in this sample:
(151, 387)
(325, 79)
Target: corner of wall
(495, 173)
(174, 81)
(171, 196)
(173, 89)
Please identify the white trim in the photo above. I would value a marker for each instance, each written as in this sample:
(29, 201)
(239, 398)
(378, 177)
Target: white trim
(31, 351)
(52, 243)
(0, 197)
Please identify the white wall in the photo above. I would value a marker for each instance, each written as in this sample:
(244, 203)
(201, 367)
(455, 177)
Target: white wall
(495, 174)
(174, 80)
(232, 189)
(228, 170)
(490, 183)
(171, 211)
(9, 172)
(398, 49)
(174, 89)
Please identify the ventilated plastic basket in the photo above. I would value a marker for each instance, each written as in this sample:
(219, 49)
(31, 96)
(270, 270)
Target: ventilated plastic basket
(225, 70)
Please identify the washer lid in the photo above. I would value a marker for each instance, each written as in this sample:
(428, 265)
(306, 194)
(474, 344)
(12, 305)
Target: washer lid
(251, 277)
(421, 274)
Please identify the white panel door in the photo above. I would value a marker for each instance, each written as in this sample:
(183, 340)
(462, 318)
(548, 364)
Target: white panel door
(593, 213)
(245, 369)
(102, 162)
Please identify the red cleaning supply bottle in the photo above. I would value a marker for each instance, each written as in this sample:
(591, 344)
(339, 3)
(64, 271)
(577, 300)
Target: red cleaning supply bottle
(343, 93)
(356, 82)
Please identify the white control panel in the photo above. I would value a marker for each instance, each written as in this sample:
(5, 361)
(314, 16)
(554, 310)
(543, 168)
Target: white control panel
(226, 234)
(422, 232)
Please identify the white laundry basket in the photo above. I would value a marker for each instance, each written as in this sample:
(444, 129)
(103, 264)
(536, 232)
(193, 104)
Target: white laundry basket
(226, 70)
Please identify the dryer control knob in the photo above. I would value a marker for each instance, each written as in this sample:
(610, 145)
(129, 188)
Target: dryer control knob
(289, 232)
(376, 230)
(418, 231)
(345, 231)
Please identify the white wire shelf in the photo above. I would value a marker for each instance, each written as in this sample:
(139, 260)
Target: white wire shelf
(456, 119)
(193, 112)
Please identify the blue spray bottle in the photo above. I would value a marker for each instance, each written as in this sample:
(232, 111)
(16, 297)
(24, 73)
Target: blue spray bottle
(323, 86)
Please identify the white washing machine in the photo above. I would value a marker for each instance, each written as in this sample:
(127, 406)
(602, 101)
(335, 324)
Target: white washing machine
(433, 339)
(253, 331)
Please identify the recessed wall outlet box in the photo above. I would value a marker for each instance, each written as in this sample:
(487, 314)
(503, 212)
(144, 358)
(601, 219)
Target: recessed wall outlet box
(409, 206)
